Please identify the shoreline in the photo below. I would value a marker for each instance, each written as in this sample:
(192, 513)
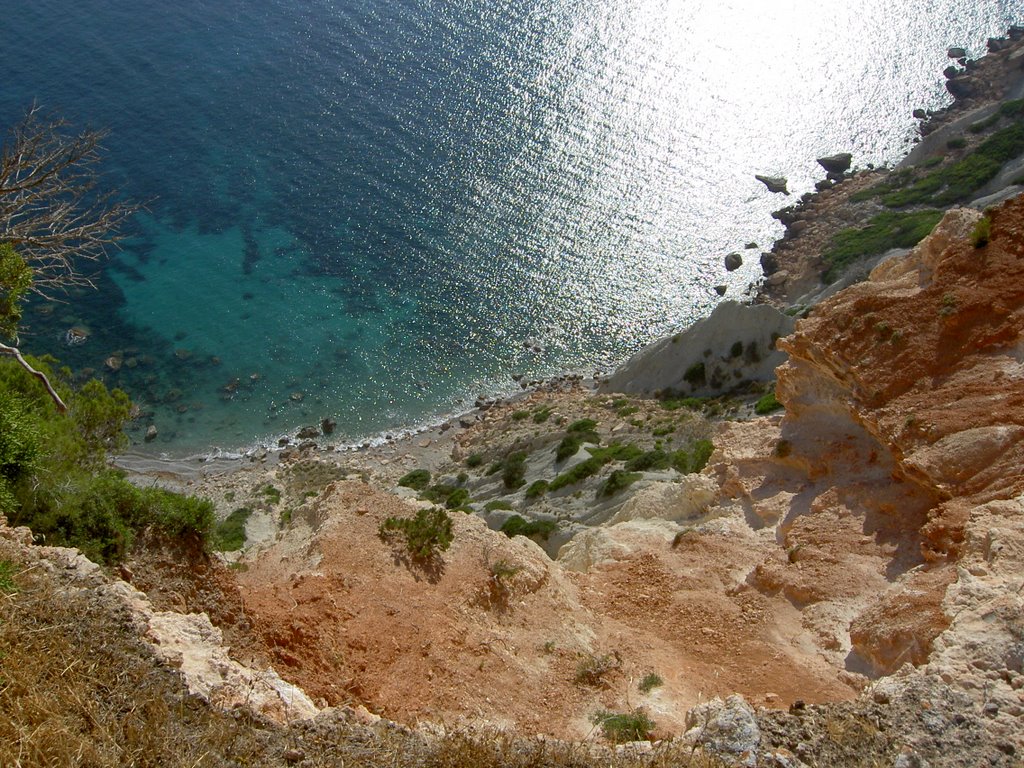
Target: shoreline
(1002, 83)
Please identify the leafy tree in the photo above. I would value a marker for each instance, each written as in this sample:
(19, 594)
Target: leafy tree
(52, 219)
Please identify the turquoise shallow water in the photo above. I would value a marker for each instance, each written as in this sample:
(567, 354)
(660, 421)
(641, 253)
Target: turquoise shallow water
(375, 211)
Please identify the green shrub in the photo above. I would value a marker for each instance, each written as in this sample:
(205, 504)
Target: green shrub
(958, 142)
(625, 727)
(542, 414)
(514, 472)
(438, 493)
(675, 403)
(418, 479)
(517, 526)
(579, 472)
(701, 453)
(695, 375)
(538, 488)
(889, 229)
(648, 462)
(19, 447)
(618, 481)
(7, 571)
(650, 682)
(426, 535)
(616, 452)
(582, 426)
(490, 506)
(767, 403)
(473, 461)
(982, 232)
(457, 498)
(520, 416)
(272, 494)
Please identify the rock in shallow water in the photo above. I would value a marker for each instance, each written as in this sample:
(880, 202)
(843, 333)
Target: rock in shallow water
(775, 184)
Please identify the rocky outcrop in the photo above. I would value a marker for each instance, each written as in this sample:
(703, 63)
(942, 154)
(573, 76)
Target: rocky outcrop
(775, 184)
(735, 343)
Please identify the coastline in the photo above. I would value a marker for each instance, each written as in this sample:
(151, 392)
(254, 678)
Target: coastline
(978, 87)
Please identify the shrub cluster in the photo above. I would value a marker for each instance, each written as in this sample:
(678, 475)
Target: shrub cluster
(426, 535)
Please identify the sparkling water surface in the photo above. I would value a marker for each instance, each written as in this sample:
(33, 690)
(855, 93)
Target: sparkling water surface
(375, 211)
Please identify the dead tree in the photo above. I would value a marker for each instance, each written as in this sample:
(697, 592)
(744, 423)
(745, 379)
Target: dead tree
(51, 211)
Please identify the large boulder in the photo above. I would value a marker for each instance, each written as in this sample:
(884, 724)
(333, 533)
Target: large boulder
(836, 165)
(775, 184)
(727, 729)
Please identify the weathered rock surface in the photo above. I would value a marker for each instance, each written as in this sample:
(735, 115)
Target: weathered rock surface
(775, 184)
(711, 343)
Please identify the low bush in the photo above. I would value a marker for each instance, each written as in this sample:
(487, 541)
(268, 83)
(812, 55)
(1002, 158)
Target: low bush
(648, 462)
(624, 727)
(767, 403)
(229, 534)
(418, 479)
(618, 481)
(592, 670)
(426, 535)
(650, 682)
(513, 474)
(578, 473)
(490, 506)
(982, 232)
(457, 498)
(518, 526)
(536, 489)
(889, 229)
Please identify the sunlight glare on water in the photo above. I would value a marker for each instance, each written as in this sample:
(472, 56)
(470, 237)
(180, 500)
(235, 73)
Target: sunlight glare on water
(377, 210)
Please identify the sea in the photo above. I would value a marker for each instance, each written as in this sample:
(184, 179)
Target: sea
(376, 211)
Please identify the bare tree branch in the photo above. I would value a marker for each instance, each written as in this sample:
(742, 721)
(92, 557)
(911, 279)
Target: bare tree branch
(52, 215)
(16, 354)
(50, 211)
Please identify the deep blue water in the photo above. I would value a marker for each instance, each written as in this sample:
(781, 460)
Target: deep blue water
(375, 210)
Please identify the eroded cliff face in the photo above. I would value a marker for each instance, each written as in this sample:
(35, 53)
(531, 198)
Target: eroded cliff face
(917, 376)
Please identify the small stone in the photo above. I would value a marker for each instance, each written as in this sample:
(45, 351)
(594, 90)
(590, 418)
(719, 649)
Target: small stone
(956, 52)
(920, 114)
(778, 278)
(721, 289)
(296, 397)
(733, 262)
(293, 755)
(362, 510)
(282, 442)
(151, 433)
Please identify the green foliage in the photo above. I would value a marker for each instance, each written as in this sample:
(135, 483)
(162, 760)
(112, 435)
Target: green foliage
(648, 462)
(616, 452)
(54, 474)
(426, 535)
(473, 461)
(490, 506)
(572, 443)
(675, 403)
(7, 571)
(982, 232)
(513, 475)
(583, 426)
(579, 472)
(701, 453)
(624, 727)
(457, 498)
(695, 375)
(517, 526)
(767, 403)
(15, 280)
(271, 494)
(438, 492)
(958, 142)
(542, 414)
(520, 416)
(19, 447)
(957, 181)
(536, 489)
(229, 534)
(618, 481)
(889, 229)
(650, 682)
(418, 479)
